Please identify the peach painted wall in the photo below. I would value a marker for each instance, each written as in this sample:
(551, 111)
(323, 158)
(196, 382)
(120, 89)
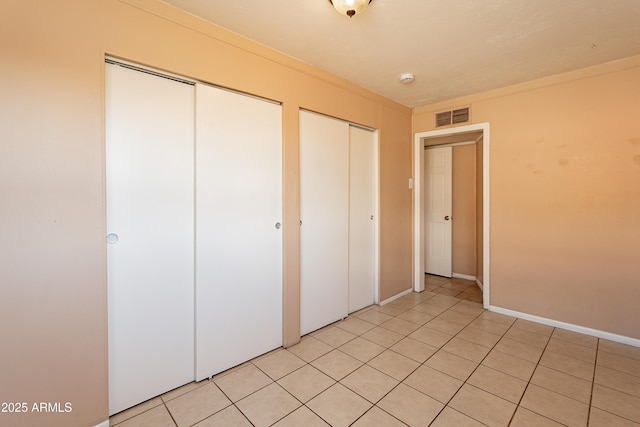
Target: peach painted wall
(565, 194)
(53, 319)
(396, 219)
(463, 234)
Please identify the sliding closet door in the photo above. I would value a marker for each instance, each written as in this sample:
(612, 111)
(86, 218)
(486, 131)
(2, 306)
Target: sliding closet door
(238, 229)
(362, 207)
(324, 211)
(150, 255)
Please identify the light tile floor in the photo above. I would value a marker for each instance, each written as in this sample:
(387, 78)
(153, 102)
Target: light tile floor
(432, 358)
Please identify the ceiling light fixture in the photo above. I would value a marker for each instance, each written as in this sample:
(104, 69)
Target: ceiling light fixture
(350, 7)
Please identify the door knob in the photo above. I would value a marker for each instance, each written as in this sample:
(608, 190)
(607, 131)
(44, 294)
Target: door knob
(446, 218)
(278, 225)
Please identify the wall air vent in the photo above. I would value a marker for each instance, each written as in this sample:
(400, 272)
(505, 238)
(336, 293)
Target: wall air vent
(443, 119)
(446, 118)
(460, 115)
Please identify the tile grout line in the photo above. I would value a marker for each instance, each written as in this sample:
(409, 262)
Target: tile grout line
(631, 360)
(169, 412)
(593, 382)
(529, 382)
(229, 398)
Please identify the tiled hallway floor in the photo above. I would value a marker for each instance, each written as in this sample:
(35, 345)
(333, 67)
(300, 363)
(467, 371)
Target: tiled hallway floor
(434, 358)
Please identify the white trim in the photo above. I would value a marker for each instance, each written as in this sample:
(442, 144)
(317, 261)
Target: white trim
(418, 218)
(149, 70)
(569, 326)
(418, 237)
(479, 283)
(376, 222)
(486, 235)
(463, 276)
(453, 144)
(103, 424)
(395, 297)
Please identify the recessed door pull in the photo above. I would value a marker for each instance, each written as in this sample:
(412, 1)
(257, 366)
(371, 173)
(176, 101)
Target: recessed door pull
(278, 225)
(446, 218)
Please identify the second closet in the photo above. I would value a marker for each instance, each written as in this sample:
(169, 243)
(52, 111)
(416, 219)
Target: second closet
(338, 163)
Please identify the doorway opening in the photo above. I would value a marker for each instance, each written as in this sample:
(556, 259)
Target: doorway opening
(479, 133)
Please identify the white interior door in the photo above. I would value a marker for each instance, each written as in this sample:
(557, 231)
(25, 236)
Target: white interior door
(362, 204)
(324, 211)
(239, 236)
(438, 206)
(150, 197)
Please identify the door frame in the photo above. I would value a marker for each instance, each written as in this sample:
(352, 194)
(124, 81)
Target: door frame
(418, 198)
(376, 215)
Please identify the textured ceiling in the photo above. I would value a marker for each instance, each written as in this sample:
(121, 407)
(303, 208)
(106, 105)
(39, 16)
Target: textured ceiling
(454, 48)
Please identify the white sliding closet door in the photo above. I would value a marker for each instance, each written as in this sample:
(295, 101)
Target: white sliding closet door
(324, 211)
(362, 208)
(238, 231)
(150, 255)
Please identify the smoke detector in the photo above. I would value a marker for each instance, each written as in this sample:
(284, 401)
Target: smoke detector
(406, 78)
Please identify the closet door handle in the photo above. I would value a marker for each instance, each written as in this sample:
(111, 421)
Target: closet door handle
(112, 238)
(278, 225)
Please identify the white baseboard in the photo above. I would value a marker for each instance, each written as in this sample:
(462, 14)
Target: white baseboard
(463, 276)
(103, 424)
(569, 326)
(479, 283)
(395, 297)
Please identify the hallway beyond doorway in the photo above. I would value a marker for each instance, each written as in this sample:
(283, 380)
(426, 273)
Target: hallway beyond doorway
(459, 288)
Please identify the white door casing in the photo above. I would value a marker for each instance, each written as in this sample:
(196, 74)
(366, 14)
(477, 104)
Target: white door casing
(238, 228)
(438, 208)
(324, 212)
(418, 224)
(362, 208)
(149, 199)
